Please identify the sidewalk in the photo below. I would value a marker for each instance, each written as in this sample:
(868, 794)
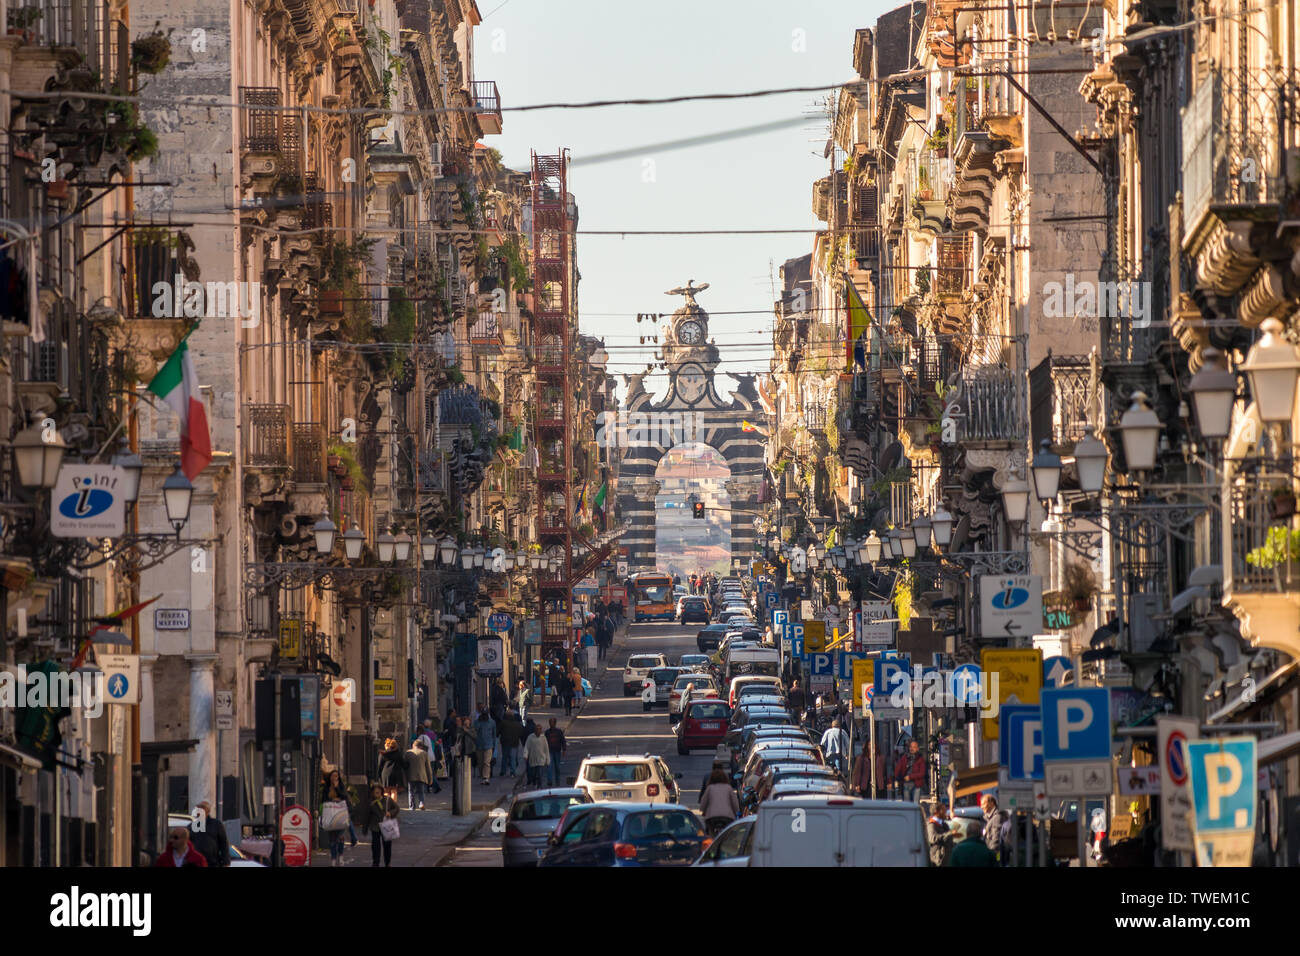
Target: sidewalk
(430, 835)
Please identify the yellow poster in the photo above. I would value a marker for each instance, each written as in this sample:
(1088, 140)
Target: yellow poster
(864, 676)
(290, 638)
(1019, 675)
(814, 637)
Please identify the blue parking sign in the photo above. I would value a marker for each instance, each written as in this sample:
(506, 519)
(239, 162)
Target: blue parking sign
(891, 672)
(844, 663)
(821, 664)
(779, 620)
(1223, 783)
(1020, 741)
(1076, 723)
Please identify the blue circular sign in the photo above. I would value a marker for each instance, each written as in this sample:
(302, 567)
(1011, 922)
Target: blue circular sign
(86, 502)
(118, 686)
(500, 621)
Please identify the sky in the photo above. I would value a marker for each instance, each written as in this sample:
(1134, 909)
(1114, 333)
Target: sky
(544, 51)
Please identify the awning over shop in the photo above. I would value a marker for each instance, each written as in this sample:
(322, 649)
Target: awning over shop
(1271, 685)
(18, 759)
(1279, 748)
(975, 779)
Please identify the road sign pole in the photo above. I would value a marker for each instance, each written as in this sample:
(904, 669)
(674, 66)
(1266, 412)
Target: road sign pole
(1083, 831)
(277, 851)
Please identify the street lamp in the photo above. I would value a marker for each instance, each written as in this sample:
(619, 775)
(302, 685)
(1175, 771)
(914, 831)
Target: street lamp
(1090, 457)
(385, 544)
(1272, 364)
(1140, 430)
(38, 460)
(1015, 499)
(941, 526)
(467, 558)
(841, 559)
(132, 465)
(1214, 390)
(403, 549)
(1046, 469)
(814, 556)
(555, 565)
(428, 549)
(536, 561)
(507, 561)
(447, 550)
(325, 531)
(908, 543)
(872, 546)
(353, 541)
(895, 544)
(521, 559)
(478, 553)
(178, 494)
(921, 531)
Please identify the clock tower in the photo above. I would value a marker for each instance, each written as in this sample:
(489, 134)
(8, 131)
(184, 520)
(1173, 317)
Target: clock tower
(688, 354)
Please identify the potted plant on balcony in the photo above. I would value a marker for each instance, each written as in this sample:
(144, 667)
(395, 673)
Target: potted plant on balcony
(1281, 504)
(923, 190)
(1080, 585)
(1279, 553)
(20, 19)
(152, 52)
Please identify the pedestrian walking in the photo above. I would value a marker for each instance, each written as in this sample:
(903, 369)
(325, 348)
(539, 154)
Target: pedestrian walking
(909, 772)
(392, 768)
(537, 754)
(993, 820)
(335, 791)
(381, 809)
(180, 851)
(419, 772)
(511, 734)
(498, 699)
(485, 741)
(835, 744)
(797, 701)
(209, 836)
(940, 834)
(971, 850)
(719, 804)
(523, 700)
(556, 744)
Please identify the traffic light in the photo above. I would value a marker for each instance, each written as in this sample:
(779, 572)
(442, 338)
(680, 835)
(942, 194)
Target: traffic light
(698, 509)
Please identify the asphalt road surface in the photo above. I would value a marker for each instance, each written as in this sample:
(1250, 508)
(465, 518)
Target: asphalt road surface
(612, 723)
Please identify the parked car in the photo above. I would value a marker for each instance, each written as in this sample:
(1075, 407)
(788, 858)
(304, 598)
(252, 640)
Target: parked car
(696, 662)
(532, 819)
(703, 686)
(709, 637)
(630, 834)
(638, 666)
(703, 724)
(838, 831)
(761, 760)
(730, 847)
(644, 779)
(237, 856)
(659, 683)
(693, 608)
(753, 683)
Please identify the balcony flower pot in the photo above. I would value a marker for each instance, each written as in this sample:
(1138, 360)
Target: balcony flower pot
(1282, 504)
(925, 195)
(346, 484)
(332, 462)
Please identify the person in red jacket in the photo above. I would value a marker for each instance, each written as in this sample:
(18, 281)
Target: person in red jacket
(180, 851)
(909, 772)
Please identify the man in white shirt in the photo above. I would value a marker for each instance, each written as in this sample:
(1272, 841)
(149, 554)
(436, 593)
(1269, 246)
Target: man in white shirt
(835, 745)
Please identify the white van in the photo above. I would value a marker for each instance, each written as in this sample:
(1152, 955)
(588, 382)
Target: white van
(755, 660)
(838, 831)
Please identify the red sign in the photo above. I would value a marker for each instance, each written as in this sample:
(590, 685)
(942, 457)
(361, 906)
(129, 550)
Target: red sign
(295, 830)
(342, 693)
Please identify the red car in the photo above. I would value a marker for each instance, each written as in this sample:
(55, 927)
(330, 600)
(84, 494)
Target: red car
(703, 724)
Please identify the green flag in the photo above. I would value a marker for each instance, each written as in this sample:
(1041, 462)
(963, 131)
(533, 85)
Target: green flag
(517, 439)
(599, 500)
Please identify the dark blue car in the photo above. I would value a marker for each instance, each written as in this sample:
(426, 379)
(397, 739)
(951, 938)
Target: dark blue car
(627, 834)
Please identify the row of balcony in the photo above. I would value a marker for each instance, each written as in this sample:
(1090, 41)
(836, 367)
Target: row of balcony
(272, 439)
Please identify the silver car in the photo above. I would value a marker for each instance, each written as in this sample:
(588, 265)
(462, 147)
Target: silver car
(531, 820)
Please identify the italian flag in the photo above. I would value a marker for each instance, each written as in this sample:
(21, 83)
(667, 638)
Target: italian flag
(177, 384)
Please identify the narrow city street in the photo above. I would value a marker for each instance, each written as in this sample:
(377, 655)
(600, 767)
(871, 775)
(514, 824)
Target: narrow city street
(611, 723)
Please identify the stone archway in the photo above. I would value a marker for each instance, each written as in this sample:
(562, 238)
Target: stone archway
(693, 411)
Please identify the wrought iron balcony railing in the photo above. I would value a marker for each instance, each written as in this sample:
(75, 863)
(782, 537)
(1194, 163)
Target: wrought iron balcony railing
(1060, 395)
(487, 104)
(268, 435)
(308, 452)
(1261, 541)
(989, 406)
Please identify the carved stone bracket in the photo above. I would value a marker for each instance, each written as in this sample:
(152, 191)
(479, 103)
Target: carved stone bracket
(1002, 462)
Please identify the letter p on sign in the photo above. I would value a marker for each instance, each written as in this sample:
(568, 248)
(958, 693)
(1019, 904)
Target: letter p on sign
(1223, 778)
(1072, 715)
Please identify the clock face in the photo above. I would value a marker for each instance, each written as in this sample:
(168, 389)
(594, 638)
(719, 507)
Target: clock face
(691, 383)
(690, 333)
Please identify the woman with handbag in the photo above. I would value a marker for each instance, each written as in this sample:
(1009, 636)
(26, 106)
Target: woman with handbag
(335, 814)
(381, 821)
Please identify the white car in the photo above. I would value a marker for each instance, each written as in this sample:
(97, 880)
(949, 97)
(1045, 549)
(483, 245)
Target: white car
(627, 779)
(705, 686)
(638, 668)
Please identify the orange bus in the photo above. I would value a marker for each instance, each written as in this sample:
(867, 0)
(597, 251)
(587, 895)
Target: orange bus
(652, 597)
